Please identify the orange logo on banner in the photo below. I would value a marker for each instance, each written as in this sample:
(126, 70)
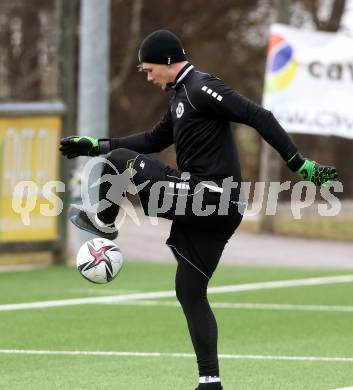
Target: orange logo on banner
(281, 64)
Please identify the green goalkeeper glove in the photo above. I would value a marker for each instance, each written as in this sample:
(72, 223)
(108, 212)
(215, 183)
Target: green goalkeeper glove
(318, 174)
(75, 146)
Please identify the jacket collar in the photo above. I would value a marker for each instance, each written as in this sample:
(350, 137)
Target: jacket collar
(181, 76)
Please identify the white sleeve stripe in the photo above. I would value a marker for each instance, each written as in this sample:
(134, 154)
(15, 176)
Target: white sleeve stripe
(214, 94)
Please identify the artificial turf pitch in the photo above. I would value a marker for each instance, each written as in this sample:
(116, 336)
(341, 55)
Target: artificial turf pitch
(261, 347)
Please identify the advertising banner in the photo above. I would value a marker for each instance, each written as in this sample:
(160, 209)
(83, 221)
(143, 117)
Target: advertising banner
(28, 167)
(309, 81)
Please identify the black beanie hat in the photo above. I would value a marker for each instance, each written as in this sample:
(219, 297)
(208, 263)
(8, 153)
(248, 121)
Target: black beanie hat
(161, 47)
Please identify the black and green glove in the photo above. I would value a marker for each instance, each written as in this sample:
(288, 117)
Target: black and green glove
(318, 174)
(75, 146)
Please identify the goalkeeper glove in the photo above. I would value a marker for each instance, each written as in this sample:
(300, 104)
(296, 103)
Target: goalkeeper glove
(75, 146)
(318, 174)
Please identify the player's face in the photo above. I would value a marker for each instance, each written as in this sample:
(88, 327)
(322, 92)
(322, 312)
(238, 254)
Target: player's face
(158, 74)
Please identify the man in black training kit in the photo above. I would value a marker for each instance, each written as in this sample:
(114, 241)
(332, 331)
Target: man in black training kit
(197, 122)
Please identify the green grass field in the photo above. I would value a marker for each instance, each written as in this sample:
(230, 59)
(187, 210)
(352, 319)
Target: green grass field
(289, 337)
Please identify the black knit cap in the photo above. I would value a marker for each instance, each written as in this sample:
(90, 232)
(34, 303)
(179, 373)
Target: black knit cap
(161, 47)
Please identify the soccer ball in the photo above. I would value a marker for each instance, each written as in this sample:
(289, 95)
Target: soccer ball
(99, 260)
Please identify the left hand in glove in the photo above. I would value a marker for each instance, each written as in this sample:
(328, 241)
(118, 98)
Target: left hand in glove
(318, 174)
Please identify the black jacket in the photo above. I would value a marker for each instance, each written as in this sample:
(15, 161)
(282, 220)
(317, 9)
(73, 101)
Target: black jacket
(197, 122)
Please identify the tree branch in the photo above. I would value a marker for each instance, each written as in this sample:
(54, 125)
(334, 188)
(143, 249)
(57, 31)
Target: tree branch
(332, 24)
(135, 27)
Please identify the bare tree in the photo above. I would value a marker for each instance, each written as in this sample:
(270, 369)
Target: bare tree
(130, 52)
(25, 38)
(333, 11)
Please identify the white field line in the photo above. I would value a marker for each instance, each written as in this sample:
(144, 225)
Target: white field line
(250, 306)
(175, 355)
(167, 294)
(83, 301)
(344, 388)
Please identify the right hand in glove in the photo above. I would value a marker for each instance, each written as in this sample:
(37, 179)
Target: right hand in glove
(75, 146)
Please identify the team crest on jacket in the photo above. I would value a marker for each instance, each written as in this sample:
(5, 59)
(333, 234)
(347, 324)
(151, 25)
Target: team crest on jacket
(180, 110)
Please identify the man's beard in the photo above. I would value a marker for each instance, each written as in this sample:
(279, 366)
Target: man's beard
(168, 87)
